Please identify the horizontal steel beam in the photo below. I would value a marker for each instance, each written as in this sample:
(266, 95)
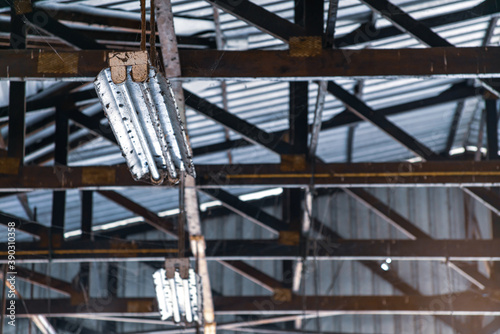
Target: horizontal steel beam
(479, 62)
(232, 122)
(45, 281)
(453, 304)
(488, 197)
(30, 227)
(163, 224)
(261, 18)
(405, 174)
(249, 249)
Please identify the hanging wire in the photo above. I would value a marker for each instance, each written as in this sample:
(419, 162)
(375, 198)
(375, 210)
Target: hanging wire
(152, 35)
(143, 25)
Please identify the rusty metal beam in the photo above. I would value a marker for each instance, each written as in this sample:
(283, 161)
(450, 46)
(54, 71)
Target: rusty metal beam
(261, 18)
(461, 303)
(165, 225)
(366, 33)
(406, 23)
(45, 281)
(159, 223)
(247, 210)
(387, 213)
(456, 92)
(362, 110)
(250, 132)
(485, 196)
(56, 28)
(17, 90)
(253, 274)
(30, 227)
(277, 65)
(170, 51)
(463, 173)
(413, 232)
(250, 249)
(432, 174)
(418, 30)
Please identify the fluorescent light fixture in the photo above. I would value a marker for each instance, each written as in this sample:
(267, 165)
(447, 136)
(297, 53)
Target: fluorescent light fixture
(384, 266)
(388, 260)
(261, 194)
(458, 150)
(43, 324)
(211, 204)
(73, 233)
(178, 298)
(167, 213)
(415, 159)
(141, 109)
(474, 149)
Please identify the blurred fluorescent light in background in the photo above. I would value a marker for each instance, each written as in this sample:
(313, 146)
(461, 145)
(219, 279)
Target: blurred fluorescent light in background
(179, 299)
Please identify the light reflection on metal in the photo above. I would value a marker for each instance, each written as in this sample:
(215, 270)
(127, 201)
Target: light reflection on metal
(43, 324)
(145, 120)
(178, 291)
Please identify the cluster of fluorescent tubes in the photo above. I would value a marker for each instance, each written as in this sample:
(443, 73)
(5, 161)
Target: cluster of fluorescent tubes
(178, 299)
(144, 117)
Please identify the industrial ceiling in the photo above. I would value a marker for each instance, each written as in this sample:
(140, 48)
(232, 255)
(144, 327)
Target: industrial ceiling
(344, 150)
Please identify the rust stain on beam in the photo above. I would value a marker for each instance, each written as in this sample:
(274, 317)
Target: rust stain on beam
(478, 62)
(449, 173)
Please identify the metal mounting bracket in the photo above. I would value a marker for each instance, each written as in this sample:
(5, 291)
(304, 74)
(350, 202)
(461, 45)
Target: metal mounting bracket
(118, 62)
(182, 264)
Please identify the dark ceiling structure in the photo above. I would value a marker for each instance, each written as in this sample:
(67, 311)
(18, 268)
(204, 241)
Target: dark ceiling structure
(346, 166)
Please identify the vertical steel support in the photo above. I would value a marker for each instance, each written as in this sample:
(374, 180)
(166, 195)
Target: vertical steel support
(198, 247)
(17, 90)
(454, 127)
(86, 227)
(318, 115)
(330, 24)
(86, 224)
(170, 51)
(310, 15)
(292, 212)
(480, 136)
(492, 128)
(60, 158)
(492, 136)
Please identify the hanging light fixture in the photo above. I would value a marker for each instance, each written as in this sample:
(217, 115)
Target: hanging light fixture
(141, 109)
(178, 292)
